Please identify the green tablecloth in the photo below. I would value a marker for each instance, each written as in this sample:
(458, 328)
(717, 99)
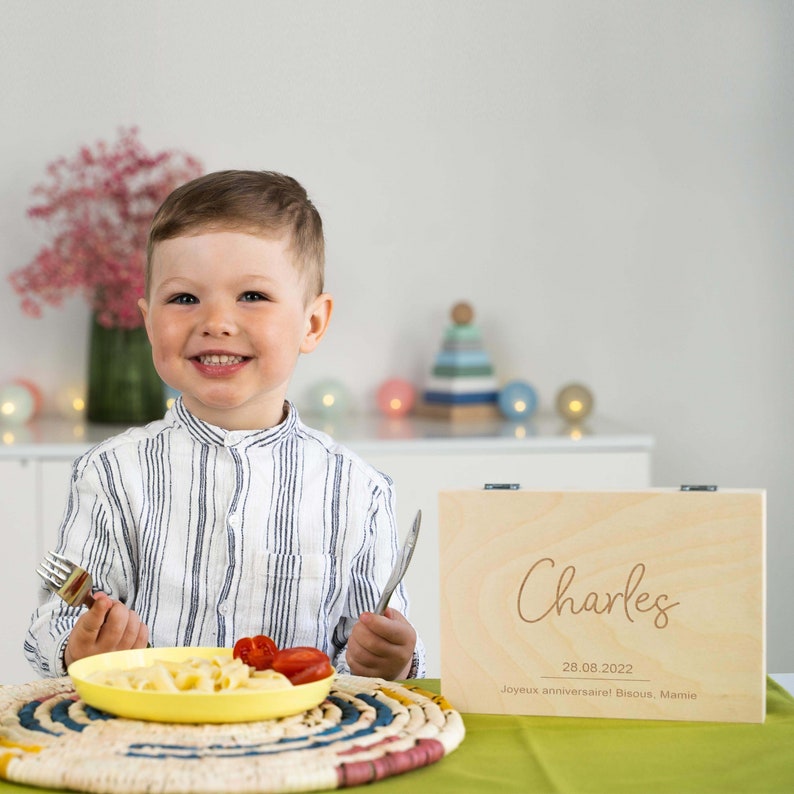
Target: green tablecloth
(551, 754)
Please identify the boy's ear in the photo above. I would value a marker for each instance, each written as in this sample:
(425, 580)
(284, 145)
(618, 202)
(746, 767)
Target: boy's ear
(143, 305)
(318, 314)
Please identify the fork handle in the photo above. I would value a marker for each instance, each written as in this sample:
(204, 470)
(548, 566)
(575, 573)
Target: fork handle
(88, 601)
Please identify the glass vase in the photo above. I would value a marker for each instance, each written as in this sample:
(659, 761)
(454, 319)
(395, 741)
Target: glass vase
(123, 385)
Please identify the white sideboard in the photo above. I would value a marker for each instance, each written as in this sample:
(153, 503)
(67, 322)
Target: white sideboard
(422, 456)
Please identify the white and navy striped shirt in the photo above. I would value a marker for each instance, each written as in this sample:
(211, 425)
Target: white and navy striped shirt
(211, 535)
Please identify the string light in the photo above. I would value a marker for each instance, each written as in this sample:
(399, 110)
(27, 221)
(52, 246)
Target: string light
(70, 401)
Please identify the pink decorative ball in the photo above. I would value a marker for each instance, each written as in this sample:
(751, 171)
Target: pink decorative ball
(396, 397)
(35, 393)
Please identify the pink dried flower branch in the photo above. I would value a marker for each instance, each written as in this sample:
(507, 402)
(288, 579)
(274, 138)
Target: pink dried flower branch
(98, 206)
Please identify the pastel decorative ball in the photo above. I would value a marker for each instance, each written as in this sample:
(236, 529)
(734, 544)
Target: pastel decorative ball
(517, 400)
(17, 404)
(35, 393)
(329, 397)
(396, 397)
(574, 402)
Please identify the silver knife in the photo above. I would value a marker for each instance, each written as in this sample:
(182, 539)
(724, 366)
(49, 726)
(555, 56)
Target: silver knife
(401, 566)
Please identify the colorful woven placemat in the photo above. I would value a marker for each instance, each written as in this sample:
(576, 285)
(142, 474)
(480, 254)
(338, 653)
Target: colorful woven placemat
(367, 729)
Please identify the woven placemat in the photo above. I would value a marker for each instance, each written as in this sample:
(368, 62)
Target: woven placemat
(366, 729)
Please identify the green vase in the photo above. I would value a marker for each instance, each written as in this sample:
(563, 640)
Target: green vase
(123, 385)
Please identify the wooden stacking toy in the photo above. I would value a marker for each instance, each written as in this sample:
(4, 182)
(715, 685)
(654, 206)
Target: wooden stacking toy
(462, 385)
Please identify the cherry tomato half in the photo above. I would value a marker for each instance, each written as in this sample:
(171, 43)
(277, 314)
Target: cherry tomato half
(314, 672)
(302, 664)
(258, 651)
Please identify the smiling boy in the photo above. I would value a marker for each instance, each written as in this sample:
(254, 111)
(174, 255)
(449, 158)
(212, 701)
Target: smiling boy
(230, 517)
(228, 315)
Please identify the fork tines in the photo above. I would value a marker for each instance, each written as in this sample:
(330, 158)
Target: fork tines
(51, 576)
(68, 580)
(53, 570)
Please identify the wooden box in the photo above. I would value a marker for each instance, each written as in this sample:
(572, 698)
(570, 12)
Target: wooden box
(644, 604)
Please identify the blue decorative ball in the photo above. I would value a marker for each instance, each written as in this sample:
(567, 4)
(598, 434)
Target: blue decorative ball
(517, 400)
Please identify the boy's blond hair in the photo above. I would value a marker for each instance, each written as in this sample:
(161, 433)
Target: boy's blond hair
(263, 203)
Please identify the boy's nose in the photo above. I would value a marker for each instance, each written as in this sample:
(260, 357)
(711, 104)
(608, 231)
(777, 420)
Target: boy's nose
(218, 321)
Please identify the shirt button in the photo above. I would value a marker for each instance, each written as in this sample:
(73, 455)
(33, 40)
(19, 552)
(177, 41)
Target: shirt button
(231, 438)
(224, 608)
(234, 520)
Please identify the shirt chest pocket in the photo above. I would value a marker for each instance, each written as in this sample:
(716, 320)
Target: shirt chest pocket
(311, 567)
(298, 586)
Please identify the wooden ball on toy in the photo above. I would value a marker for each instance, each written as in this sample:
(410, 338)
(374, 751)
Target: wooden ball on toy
(574, 402)
(462, 313)
(396, 397)
(517, 400)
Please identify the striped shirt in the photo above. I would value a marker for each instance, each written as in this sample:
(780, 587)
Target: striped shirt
(211, 535)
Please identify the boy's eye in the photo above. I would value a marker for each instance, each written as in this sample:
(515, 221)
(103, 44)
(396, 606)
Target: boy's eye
(253, 297)
(184, 299)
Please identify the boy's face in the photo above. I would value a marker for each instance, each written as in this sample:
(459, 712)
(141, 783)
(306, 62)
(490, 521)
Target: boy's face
(227, 316)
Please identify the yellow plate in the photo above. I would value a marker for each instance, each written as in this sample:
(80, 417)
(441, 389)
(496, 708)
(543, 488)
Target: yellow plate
(232, 706)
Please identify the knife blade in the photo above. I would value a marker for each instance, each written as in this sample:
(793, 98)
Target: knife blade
(401, 566)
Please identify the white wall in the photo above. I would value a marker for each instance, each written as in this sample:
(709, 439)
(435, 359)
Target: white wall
(610, 183)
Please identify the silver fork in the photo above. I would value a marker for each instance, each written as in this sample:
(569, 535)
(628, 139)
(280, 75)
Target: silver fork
(68, 580)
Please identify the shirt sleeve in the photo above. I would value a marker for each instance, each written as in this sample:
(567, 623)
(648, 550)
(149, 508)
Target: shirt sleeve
(369, 576)
(90, 535)
(52, 622)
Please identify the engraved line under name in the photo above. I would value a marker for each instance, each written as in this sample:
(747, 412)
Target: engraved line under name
(587, 678)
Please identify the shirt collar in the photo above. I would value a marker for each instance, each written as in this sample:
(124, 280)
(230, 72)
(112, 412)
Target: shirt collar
(212, 435)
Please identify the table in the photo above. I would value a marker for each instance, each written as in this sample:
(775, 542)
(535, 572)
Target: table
(549, 754)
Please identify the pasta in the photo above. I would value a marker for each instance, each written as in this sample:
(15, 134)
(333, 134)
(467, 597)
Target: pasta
(219, 674)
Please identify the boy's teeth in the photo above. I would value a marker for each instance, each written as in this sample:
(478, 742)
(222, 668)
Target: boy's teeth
(223, 359)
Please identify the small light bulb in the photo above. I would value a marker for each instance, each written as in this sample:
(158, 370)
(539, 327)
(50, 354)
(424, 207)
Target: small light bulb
(8, 408)
(78, 403)
(395, 403)
(575, 406)
(328, 400)
(520, 406)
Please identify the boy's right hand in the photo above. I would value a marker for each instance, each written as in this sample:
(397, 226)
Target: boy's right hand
(108, 626)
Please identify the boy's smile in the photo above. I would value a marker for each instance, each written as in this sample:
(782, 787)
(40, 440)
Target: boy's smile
(219, 364)
(228, 315)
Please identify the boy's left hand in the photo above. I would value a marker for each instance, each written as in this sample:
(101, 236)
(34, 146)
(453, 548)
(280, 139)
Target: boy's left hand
(381, 646)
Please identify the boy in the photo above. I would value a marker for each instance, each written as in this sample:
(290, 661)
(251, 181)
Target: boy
(229, 517)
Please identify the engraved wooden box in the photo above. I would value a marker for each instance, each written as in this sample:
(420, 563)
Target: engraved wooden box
(643, 604)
